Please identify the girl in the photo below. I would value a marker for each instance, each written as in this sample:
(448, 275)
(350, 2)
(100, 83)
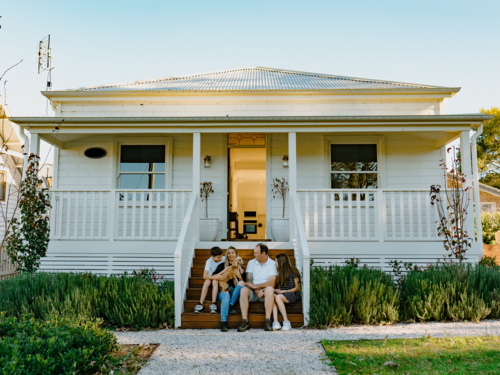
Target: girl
(289, 287)
(228, 299)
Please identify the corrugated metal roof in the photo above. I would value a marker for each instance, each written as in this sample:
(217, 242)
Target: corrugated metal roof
(257, 78)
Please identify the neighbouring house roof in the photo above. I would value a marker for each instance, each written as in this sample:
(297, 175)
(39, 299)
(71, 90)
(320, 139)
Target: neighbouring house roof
(489, 189)
(260, 78)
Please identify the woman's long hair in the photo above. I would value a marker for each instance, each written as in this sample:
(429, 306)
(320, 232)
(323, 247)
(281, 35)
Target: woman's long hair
(285, 269)
(226, 262)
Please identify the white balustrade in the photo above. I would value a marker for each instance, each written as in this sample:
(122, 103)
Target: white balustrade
(410, 216)
(117, 214)
(339, 215)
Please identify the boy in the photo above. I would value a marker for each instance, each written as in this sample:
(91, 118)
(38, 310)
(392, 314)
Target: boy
(210, 266)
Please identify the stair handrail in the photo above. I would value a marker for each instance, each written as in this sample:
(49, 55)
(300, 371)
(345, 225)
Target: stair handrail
(301, 249)
(183, 258)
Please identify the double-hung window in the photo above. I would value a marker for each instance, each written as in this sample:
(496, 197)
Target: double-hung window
(354, 166)
(142, 167)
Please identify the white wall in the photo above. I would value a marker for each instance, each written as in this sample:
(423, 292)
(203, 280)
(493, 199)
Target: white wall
(253, 105)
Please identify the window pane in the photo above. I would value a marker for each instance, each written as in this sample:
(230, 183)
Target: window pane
(354, 157)
(142, 158)
(142, 181)
(354, 181)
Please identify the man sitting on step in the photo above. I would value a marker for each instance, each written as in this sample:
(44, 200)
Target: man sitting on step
(261, 276)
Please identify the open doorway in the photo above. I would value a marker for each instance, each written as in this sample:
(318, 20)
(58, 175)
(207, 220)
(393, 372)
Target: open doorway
(247, 193)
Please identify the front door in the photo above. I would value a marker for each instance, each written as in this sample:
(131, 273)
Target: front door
(247, 193)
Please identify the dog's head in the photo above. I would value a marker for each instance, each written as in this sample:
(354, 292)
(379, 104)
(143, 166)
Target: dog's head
(237, 262)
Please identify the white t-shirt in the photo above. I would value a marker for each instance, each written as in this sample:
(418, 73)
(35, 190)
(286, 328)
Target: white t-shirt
(211, 266)
(261, 273)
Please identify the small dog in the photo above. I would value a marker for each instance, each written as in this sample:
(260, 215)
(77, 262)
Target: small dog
(231, 272)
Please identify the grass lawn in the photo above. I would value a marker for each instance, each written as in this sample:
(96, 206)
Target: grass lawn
(451, 355)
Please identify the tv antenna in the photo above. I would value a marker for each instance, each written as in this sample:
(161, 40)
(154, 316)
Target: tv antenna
(45, 59)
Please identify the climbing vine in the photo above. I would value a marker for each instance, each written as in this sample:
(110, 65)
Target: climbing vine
(28, 239)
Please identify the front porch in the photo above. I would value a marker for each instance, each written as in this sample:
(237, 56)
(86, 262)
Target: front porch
(99, 227)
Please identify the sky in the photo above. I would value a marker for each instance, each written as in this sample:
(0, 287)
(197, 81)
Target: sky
(438, 42)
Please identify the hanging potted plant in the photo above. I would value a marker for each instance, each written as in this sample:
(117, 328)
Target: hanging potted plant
(208, 227)
(280, 227)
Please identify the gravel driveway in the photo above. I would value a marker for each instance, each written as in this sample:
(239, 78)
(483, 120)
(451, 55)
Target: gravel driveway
(257, 352)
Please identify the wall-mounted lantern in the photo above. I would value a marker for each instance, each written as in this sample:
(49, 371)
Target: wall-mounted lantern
(206, 161)
(285, 161)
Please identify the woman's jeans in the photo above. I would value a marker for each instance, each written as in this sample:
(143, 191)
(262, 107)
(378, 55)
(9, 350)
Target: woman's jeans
(226, 299)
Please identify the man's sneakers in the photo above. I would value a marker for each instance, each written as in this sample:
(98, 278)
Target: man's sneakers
(286, 326)
(244, 326)
(198, 308)
(223, 327)
(213, 309)
(276, 326)
(267, 325)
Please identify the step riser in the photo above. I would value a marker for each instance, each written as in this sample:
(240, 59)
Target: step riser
(230, 325)
(272, 253)
(255, 308)
(234, 321)
(201, 261)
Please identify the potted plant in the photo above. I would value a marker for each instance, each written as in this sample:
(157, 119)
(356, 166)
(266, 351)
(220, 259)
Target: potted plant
(208, 227)
(280, 227)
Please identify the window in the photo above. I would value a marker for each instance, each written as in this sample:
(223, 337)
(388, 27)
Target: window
(142, 167)
(354, 166)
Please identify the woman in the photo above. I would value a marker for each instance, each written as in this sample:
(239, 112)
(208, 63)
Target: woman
(228, 299)
(288, 291)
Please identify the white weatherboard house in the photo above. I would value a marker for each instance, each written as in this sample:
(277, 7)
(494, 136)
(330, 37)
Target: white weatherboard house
(359, 156)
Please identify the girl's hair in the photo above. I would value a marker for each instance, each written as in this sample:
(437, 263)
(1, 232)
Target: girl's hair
(285, 269)
(226, 263)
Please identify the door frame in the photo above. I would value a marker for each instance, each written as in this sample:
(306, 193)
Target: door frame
(226, 148)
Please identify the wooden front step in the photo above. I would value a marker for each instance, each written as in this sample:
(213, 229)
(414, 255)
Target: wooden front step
(212, 321)
(256, 309)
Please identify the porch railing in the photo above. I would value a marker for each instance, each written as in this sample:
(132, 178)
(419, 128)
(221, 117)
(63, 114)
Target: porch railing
(301, 252)
(117, 214)
(183, 256)
(368, 215)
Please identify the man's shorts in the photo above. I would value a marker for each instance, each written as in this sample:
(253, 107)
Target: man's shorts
(254, 297)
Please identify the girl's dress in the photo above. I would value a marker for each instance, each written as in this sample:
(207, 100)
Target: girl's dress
(292, 297)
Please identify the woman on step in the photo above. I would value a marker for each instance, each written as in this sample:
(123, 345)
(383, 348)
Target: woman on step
(230, 298)
(288, 284)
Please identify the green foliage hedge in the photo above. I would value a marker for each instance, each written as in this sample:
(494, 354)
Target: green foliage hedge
(342, 295)
(125, 301)
(55, 346)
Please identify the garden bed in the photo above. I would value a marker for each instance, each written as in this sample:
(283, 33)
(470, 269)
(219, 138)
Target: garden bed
(450, 355)
(128, 359)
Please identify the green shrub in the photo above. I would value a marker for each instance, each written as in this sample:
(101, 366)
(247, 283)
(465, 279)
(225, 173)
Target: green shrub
(125, 301)
(342, 295)
(452, 292)
(55, 346)
(490, 225)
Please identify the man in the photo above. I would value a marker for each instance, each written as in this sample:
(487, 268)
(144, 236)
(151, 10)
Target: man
(261, 276)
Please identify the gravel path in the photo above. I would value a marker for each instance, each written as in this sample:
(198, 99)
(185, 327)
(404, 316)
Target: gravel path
(257, 352)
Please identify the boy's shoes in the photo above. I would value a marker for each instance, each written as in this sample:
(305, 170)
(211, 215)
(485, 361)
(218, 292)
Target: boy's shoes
(276, 326)
(232, 310)
(244, 326)
(213, 308)
(267, 325)
(198, 308)
(223, 327)
(286, 326)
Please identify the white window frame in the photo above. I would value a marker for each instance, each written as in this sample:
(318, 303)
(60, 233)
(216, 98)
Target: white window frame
(146, 141)
(354, 140)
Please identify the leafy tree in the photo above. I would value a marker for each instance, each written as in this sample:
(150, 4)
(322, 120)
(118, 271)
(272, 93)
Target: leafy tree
(29, 238)
(488, 149)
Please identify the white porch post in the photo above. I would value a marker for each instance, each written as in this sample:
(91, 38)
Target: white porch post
(196, 181)
(466, 164)
(292, 173)
(35, 144)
